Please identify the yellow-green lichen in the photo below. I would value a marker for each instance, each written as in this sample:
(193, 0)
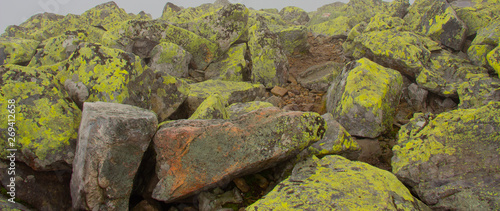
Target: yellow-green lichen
(231, 67)
(212, 108)
(493, 58)
(17, 50)
(336, 27)
(477, 53)
(381, 22)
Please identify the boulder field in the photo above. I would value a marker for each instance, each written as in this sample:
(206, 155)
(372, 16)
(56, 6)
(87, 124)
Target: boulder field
(365, 105)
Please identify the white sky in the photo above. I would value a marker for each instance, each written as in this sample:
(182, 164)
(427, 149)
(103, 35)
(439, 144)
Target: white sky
(14, 12)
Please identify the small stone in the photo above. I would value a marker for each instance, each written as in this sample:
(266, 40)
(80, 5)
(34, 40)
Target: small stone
(261, 181)
(279, 91)
(241, 184)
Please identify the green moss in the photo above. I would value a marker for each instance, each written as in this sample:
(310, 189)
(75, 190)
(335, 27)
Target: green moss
(17, 50)
(336, 27)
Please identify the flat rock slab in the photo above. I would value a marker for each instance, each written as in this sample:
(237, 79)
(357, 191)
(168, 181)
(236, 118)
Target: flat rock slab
(193, 155)
(112, 140)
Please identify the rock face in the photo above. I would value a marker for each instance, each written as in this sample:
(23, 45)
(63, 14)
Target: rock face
(333, 183)
(16, 50)
(212, 108)
(319, 77)
(58, 49)
(111, 143)
(431, 152)
(235, 110)
(233, 65)
(195, 154)
(363, 98)
(294, 15)
(171, 59)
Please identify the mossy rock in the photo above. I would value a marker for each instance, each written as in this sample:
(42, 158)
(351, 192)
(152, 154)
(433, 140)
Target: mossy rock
(478, 91)
(338, 27)
(46, 122)
(493, 58)
(334, 182)
(437, 20)
(269, 62)
(232, 66)
(478, 15)
(17, 50)
(212, 108)
(453, 152)
(171, 59)
(235, 110)
(364, 97)
(294, 15)
(294, 40)
(58, 49)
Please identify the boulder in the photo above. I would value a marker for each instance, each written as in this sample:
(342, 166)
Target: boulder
(363, 10)
(273, 21)
(58, 49)
(107, 15)
(217, 198)
(489, 35)
(319, 77)
(477, 54)
(399, 8)
(212, 108)
(171, 59)
(364, 96)
(193, 155)
(476, 14)
(35, 27)
(232, 66)
(269, 62)
(416, 97)
(231, 92)
(478, 91)
(294, 40)
(493, 58)
(46, 120)
(141, 16)
(334, 182)
(294, 15)
(178, 15)
(338, 27)
(383, 21)
(17, 50)
(437, 159)
(111, 143)
(437, 20)
(235, 110)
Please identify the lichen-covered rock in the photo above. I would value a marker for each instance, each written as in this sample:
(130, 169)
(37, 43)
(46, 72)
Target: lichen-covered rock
(335, 183)
(489, 35)
(141, 16)
(445, 72)
(171, 59)
(383, 21)
(232, 66)
(326, 12)
(231, 92)
(478, 90)
(269, 62)
(338, 27)
(193, 155)
(437, 20)
(46, 121)
(493, 58)
(476, 14)
(107, 15)
(235, 110)
(130, 32)
(273, 21)
(294, 15)
(17, 50)
(399, 8)
(477, 54)
(319, 77)
(33, 28)
(213, 107)
(363, 98)
(111, 143)
(451, 160)
(178, 15)
(362, 10)
(294, 40)
(58, 49)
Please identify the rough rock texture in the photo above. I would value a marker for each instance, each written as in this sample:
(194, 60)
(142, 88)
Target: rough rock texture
(338, 27)
(383, 21)
(5, 204)
(294, 40)
(437, 20)
(451, 160)
(46, 122)
(212, 108)
(334, 183)
(477, 54)
(111, 143)
(17, 50)
(235, 110)
(399, 8)
(319, 77)
(171, 59)
(294, 15)
(269, 62)
(231, 92)
(489, 35)
(478, 91)
(58, 49)
(363, 98)
(232, 66)
(493, 58)
(196, 154)
(476, 14)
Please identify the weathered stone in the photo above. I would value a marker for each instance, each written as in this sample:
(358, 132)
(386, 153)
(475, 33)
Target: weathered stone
(382, 22)
(111, 143)
(276, 101)
(231, 92)
(78, 92)
(212, 108)
(279, 91)
(107, 15)
(363, 10)
(31, 28)
(6, 204)
(417, 97)
(235, 110)
(399, 8)
(363, 98)
(319, 77)
(493, 58)
(58, 49)
(269, 62)
(477, 54)
(326, 12)
(16, 50)
(46, 121)
(273, 21)
(141, 16)
(436, 157)
(294, 40)
(178, 15)
(215, 200)
(489, 35)
(476, 14)
(478, 91)
(232, 66)
(197, 154)
(170, 59)
(294, 15)
(437, 20)
(334, 182)
(338, 27)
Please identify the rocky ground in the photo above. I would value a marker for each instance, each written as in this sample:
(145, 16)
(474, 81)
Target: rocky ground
(366, 105)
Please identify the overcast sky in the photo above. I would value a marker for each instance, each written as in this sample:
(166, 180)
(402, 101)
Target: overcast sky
(14, 12)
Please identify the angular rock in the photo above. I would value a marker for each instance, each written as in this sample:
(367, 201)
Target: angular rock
(338, 27)
(269, 62)
(478, 91)
(489, 35)
(493, 58)
(382, 22)
(294, 15)
(178, 15)
(319, 77)
(399, 8)
(337, 183)
(46, 121)
(437, 20)
(212, 108)
(272, 20)
(363, 10)
(436, 157)
(364, 97)
(111, 143)
(78, 92)
(58, 49)
(198, 154)
(326, 12)
(416, 97)
(294, 40)
(33, 28)
(477, 54)
(171, 59)
(476, 14)
(231, 92)
(107, 15)
(215, 200)
(235, 110)
(232, 66)
(16, 50)
(279, 91)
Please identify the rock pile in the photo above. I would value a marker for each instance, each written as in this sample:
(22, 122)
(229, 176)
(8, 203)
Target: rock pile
(225, 107)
